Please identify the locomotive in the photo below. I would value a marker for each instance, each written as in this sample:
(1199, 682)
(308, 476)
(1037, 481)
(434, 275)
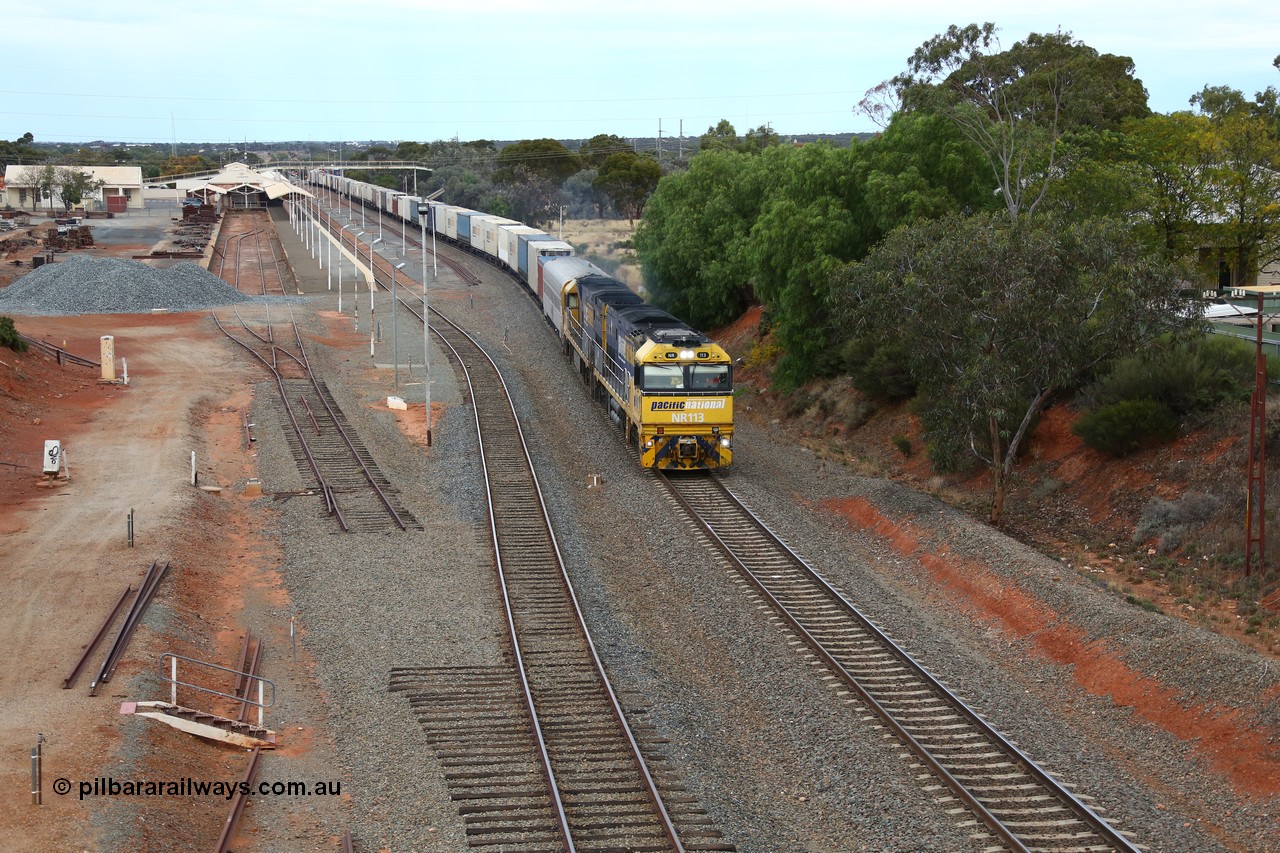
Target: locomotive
(668, 386)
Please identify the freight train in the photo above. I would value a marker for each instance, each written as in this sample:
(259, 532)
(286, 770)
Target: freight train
(668, 386)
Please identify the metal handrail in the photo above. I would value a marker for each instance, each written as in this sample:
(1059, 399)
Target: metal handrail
(173, 681)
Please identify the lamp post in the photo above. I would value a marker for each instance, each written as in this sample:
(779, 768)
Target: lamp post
(426, 316)
(373, 290)
(356, 286)
(395, 340)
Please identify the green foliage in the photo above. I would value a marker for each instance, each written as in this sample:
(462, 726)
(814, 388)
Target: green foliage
(903, 444)
(1145, 603)
(805, 231)
(1124, 427)
(19, 150)
(544, 159)
(74, 184)
(720, 137)
(1018, 105)
(601, 147)
(9, 336)
(694, 239)
(878, 369)
(923, 166)
(1184, 375)
(995, 320)
(628, 179)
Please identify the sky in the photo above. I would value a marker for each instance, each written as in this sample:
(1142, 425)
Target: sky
(423, 70)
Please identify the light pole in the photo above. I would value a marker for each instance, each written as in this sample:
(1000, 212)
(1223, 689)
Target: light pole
(373, 290)
(355, 287)
(395, 340)
(426, 315)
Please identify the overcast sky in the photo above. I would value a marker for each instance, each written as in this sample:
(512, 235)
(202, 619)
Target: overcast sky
(142, 71)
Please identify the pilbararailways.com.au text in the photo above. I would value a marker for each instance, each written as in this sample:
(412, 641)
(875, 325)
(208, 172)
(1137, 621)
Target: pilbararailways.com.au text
(188, 787)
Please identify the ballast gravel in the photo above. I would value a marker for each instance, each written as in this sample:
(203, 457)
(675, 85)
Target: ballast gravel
(83, 284)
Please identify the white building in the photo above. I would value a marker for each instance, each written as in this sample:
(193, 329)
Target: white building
(121, 189)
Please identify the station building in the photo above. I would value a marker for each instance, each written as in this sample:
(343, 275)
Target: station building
(121, 189)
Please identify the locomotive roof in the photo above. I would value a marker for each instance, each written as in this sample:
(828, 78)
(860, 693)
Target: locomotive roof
(635, 315)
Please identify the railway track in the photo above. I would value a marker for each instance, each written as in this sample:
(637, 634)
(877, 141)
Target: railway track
(321, 439)
(1017, 804)
(541, 755)
(250, 271)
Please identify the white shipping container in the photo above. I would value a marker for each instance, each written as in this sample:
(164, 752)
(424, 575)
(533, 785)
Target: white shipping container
(509, 244)
(545, 249)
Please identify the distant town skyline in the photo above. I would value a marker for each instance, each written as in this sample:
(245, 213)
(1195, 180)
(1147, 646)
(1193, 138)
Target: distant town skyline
(425, 70)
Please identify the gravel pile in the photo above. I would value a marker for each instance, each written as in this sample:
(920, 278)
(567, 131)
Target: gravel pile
(88, 285)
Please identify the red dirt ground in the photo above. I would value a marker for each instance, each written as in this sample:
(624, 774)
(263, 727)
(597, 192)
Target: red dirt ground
(1235, 746)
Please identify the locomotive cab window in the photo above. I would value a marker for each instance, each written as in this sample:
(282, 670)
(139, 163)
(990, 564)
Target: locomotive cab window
(663, 377)
(709, 377)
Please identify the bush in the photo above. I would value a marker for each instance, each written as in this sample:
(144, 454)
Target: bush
(903, 444)
(1169, 521)
(1121, 428)
(9, 336)
(1186, 377)
(879, 371)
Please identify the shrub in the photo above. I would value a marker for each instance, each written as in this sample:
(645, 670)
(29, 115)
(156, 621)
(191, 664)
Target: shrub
(1170, 521)
(1186, 377)
(903, 444)
(879, 371)
(9, 336)
(1121, 428)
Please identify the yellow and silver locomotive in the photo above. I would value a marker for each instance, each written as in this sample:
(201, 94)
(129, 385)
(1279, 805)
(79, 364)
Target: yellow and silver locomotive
(669, 386)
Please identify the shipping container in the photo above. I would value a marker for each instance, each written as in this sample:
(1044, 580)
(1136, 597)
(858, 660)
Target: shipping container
(540, 249)
(522, 255)
(462, 229)
(486, 241)
(509, 243)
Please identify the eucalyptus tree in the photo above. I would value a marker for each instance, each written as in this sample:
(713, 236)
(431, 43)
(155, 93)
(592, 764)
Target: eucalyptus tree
(994, 321)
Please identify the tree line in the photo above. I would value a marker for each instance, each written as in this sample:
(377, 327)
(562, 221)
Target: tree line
(1022, 221)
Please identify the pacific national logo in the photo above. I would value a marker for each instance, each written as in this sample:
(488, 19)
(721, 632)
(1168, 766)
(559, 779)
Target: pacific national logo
(681, 405)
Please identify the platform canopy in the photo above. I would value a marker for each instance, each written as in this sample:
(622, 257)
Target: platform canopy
(242, 179)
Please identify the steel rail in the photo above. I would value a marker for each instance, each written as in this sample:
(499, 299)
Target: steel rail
(133, 616)
(330, 502)
(60, 353)
(382, 495)
(1081, 811)
(654, 795)
(262, 269)
(97, 638)
(238, 803)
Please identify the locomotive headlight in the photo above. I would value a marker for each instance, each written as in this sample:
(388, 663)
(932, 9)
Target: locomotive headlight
(724, 441)
(648, 445)
(686, 353)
